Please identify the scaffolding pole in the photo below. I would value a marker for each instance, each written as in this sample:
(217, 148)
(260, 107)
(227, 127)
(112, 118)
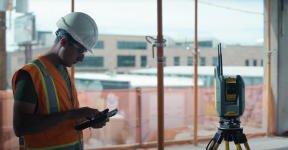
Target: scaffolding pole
(3, 81)
(73, 66)
(195, 89)
(160, 85)
(3, 50)
(268, 71)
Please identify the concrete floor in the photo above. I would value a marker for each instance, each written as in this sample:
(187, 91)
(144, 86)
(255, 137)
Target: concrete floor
(263, 143)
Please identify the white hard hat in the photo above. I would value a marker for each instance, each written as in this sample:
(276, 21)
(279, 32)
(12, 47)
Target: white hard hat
(81, 27)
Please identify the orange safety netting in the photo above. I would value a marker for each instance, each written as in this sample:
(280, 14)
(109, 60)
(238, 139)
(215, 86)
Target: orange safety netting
(136, 120)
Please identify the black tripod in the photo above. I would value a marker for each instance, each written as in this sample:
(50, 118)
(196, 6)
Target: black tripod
(231, 131)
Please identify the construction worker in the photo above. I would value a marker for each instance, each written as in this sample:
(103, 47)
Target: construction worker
(46, 107)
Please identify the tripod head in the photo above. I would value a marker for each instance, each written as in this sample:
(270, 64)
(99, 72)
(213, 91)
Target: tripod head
(229, 96)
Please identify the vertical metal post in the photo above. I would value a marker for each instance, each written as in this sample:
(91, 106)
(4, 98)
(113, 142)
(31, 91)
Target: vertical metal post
(138, 116)
(10, 9)
(72, 5)
(28, 52)
(268, 71)
(195, 89)
(2, 51)
(73, 66)
(72, 76)
(160, 85)
(1, 123)
(3, 66)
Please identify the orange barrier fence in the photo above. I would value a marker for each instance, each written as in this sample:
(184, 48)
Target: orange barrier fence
(136, 121)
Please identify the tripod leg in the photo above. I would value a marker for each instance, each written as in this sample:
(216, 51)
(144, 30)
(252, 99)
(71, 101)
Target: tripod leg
(216, 146)
(226, 145)
(211, 145)
(216, 141)
(238, 146)
(247, 146)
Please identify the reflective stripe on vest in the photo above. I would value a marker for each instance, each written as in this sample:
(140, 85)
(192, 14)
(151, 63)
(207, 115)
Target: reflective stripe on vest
(70, 146)
(50, 90)
(21, 143)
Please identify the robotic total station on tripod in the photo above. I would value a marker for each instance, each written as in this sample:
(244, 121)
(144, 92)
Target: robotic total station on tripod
(230, 106)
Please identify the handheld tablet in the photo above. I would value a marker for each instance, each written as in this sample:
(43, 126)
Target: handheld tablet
(98, 120)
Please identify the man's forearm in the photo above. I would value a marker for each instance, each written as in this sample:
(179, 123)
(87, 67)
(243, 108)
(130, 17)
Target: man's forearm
(32, 124)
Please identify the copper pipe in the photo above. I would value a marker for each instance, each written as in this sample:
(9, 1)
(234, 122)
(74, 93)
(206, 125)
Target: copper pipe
(72, 8)
(160, 85)
(195, 78)
(73, 66)
(10, 9)
(268, 71)
(138, 116)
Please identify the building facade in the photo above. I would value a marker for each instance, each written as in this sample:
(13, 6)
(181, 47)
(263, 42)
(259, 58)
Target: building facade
(124, 53)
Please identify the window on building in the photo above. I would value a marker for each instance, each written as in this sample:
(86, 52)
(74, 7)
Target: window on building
(254, 62)
(202, 61)
(99, 45)
(143, 61)
(214, 61)
(205, 44)
(131, 45)
(126, 61)
(189, 61)
(262, 62)
(176, 61)
(246, 62)
(90, 61)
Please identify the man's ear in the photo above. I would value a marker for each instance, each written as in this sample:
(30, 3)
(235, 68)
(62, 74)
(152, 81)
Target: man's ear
(63, 42)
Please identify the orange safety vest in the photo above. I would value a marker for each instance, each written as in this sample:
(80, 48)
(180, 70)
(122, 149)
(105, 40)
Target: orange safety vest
(53, 97)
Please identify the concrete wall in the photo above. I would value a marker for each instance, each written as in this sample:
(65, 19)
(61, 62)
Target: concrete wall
(283, 69)
(279, 63)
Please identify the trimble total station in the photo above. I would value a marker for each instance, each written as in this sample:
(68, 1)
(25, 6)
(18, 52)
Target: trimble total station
(230, 106)
(229, 96)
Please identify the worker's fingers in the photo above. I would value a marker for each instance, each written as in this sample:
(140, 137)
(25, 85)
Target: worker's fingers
(100, 113)
(105, 111)
(88, 118)
(100, 125)
(85, 112)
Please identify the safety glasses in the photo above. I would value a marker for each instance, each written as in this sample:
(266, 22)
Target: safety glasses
(79, 50)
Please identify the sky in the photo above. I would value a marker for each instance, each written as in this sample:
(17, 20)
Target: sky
(139, 17)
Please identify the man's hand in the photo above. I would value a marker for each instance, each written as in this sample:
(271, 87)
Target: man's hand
(100, 125)
(85, 112)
